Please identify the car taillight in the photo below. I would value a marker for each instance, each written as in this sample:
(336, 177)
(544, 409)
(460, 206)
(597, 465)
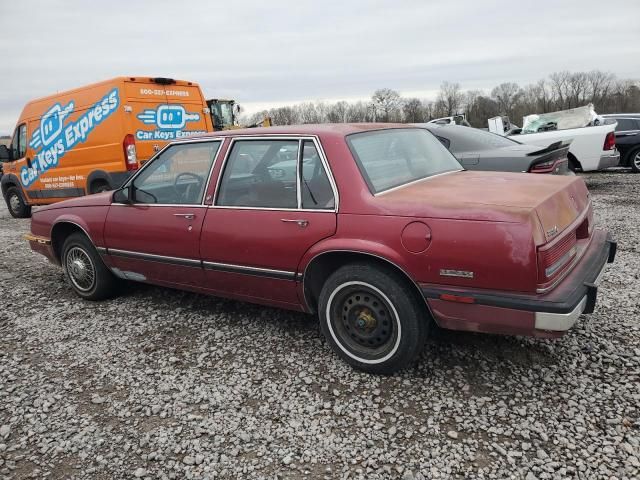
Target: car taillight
(551, 166)
(610, 141)
(129, 147)
(553, 259)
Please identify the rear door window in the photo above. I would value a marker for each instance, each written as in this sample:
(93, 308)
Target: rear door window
(260, 174)
(625, 124)
(316, 187)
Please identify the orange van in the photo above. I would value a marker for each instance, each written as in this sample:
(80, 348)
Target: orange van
(92, 138)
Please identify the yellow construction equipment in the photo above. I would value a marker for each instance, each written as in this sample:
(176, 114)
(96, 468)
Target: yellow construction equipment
(224, 115)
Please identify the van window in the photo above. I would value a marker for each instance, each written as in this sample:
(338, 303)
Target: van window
(178, 176)
(19, 142)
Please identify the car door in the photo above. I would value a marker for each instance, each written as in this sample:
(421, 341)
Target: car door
(627, 135)
(274, 200)
(18, 156)
(155, 236)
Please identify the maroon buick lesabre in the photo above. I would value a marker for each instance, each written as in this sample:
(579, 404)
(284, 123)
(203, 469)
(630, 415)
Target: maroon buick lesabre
(375, 228)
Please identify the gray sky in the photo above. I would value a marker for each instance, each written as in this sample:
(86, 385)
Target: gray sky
(271, 53)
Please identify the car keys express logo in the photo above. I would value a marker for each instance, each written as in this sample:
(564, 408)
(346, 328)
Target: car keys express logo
(54, 139)
(170, 120)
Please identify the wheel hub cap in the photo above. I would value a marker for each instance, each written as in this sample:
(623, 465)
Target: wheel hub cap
(14, 201)
(366, 320)
(80, 269)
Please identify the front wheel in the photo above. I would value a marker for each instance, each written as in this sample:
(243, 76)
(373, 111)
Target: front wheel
(372, 318)
(18, 208)
(88, 275)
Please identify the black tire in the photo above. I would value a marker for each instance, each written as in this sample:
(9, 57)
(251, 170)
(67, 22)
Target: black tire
(18, 208)
(83, 267)
(99, 187)
(633, 160)
(372, 318)
(573, 165)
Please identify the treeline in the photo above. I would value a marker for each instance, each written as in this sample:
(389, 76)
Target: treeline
(560, 91)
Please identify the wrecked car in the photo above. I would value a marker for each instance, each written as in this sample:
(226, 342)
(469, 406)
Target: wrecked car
(380, 233)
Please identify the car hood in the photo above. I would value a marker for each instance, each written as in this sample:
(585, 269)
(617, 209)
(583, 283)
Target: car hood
(95, 200)
(554, 201)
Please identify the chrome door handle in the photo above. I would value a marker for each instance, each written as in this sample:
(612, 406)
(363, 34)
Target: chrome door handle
(188, 216)
(301, 223)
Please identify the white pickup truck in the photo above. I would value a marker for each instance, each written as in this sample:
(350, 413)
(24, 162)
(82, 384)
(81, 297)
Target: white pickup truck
(592, 147)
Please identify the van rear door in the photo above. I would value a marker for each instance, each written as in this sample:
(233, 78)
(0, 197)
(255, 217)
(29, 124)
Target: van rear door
(163, 110)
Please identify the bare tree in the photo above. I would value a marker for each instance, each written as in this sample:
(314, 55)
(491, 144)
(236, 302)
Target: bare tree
(450, 99)
(577, 86)
(358, 112)
(337, 112)
(413, 110)
(559, 87)
(600, 84)
(387, 103)
(559, 91)
(507, 95)
(284, 116)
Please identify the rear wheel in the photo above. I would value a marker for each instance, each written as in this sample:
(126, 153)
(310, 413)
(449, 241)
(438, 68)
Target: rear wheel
(372, 318)
(573, 165)
(18, 208)
(99, 186)
(634, 160)
(88, 275)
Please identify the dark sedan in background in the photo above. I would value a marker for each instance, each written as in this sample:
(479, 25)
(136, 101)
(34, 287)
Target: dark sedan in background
(481, 150)
(627, 138)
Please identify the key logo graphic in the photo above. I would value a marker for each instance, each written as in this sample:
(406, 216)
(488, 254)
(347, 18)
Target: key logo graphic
(168, 117)
(50, 125)
(56, 135)
(170, 121)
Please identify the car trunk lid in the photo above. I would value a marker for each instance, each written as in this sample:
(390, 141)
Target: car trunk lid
(556, 201)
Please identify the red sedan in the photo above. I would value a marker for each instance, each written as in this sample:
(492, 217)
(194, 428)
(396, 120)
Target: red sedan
(376, 228)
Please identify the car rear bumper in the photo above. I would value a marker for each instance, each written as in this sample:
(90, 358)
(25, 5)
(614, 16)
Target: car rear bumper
(609, 160)
(550, 314)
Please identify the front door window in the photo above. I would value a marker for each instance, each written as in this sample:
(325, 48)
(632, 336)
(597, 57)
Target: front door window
(19, 142)
(178, 176)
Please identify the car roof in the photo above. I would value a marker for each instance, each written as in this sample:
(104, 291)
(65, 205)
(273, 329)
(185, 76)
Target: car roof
(330, 129)
(622, 115)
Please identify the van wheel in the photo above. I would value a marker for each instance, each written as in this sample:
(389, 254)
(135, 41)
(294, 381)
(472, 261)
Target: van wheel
(88, 275)
(372, 318)
(16, 204)
(98, 187)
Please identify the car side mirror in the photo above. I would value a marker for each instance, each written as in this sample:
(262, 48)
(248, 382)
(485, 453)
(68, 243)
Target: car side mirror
(123, 195)
(5, 154)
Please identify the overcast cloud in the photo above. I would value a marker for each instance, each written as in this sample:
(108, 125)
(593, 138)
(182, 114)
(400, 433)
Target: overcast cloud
(266, 54)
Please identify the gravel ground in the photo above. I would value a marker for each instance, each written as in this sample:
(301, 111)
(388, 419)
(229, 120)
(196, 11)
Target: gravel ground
(166, 384)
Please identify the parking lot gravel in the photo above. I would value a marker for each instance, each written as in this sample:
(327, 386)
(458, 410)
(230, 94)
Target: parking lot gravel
(165, 384)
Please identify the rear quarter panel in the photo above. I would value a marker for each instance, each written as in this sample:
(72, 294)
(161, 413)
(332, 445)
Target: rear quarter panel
(501, 255)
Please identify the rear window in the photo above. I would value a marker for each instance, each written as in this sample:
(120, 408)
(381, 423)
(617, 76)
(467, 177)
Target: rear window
(390, 158)
(465, 139)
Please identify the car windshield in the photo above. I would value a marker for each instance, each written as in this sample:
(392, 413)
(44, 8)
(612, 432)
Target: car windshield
(390, 158)
(465, 139)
